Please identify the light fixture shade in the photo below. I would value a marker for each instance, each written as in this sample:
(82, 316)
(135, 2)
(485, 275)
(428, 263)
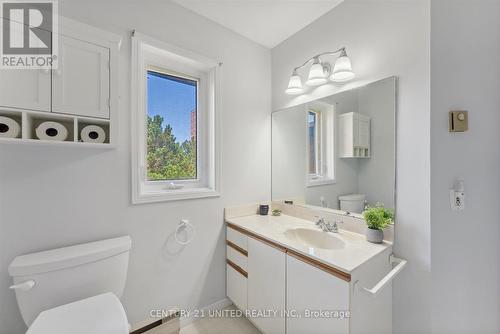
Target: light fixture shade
(317, 75)
(342, 71)
(294, 85)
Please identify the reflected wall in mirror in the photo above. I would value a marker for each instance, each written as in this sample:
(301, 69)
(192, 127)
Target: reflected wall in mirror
(338, 152)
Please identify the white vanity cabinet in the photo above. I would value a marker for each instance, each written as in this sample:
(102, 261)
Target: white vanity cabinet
(354, 135)
(266, 286)
(236, 268)
(255, 273)
(80, 84)
(310, 289)
(307, 296)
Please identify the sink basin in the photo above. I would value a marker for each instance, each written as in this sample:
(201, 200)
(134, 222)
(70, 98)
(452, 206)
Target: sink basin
(314, 238)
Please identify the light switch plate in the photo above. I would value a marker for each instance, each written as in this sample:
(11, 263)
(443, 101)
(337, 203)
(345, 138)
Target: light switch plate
(459, 121)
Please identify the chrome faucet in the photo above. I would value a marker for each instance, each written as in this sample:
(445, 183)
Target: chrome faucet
(326, 226)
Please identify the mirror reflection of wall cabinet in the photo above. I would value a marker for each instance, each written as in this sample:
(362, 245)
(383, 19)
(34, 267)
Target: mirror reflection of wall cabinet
(354, 135)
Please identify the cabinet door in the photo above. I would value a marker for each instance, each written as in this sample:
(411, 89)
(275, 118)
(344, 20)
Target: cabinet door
(311, 289)
(355, 131)
(80, 84)
(364, 132)
(236, 288)
(345, 136)
(266, 286)
(25, 89)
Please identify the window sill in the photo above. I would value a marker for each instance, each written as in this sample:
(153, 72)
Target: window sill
(319, 182)
(173, 195)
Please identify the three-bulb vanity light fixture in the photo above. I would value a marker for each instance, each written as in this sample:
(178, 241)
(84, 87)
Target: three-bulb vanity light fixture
(321, 71)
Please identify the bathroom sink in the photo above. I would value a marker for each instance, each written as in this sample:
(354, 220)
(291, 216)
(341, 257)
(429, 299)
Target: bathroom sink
(314, 238)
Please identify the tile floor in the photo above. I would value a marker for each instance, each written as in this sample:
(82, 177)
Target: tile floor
(224, 325)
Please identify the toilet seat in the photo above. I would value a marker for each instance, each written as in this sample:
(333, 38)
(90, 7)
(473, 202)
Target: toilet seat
(102, 314)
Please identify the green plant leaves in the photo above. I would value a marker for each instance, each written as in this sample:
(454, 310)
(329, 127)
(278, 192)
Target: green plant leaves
(168, 159)
(378, 217)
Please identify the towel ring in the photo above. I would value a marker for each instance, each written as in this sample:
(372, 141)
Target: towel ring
(183, 224)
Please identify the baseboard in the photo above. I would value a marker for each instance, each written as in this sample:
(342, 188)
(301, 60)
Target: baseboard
(221, 304)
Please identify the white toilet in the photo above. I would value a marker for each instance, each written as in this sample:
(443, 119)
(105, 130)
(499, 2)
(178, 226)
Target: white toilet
(353, 203)
(73, 289)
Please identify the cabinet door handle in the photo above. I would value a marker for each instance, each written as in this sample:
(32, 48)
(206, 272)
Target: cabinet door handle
(387, 278)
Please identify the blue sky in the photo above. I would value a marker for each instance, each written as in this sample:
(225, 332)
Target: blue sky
(173, 100)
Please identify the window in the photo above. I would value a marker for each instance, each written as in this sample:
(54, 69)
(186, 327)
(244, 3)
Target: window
(174, 139)
(320, 144)
(171, 127)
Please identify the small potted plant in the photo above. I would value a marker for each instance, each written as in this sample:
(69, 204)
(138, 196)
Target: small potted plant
(377, 219)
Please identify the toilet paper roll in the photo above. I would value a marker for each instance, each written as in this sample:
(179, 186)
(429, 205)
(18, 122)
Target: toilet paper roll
(9, 128)
(51, 131)
(93, 134)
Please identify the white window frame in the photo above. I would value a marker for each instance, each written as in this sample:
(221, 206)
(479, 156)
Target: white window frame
(318, 144)
(325, 137)
(149, 54)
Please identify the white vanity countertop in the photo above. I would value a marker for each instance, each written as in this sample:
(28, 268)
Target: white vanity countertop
(357, 250)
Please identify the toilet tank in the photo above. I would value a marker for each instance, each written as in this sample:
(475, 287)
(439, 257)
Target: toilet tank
(354, 203)
(68, 274)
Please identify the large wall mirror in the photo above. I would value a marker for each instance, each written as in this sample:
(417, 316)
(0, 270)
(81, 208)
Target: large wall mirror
(338, 152)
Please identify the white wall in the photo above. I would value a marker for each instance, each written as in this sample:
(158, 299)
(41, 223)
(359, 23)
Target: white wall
(51, 197)
(466, 245)
(384, 38)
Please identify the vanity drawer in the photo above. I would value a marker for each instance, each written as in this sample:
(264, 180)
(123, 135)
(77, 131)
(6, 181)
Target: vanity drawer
(237, 238)
(236, 257)
(236, 287)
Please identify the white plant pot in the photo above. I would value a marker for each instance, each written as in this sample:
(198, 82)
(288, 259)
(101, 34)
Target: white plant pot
(375, 236)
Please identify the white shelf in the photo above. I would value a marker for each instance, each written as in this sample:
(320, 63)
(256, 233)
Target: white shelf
(29, 120)
(37, 142)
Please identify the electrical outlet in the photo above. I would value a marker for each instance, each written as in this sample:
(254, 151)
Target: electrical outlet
(457, 200)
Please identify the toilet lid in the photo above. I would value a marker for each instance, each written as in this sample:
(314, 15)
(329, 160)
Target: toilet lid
(102, 314)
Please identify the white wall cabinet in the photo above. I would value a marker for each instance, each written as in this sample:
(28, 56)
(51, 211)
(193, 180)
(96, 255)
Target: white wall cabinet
(80, 84)
(25, 89)
(354, 135)
(80, 91)
(266, 286)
